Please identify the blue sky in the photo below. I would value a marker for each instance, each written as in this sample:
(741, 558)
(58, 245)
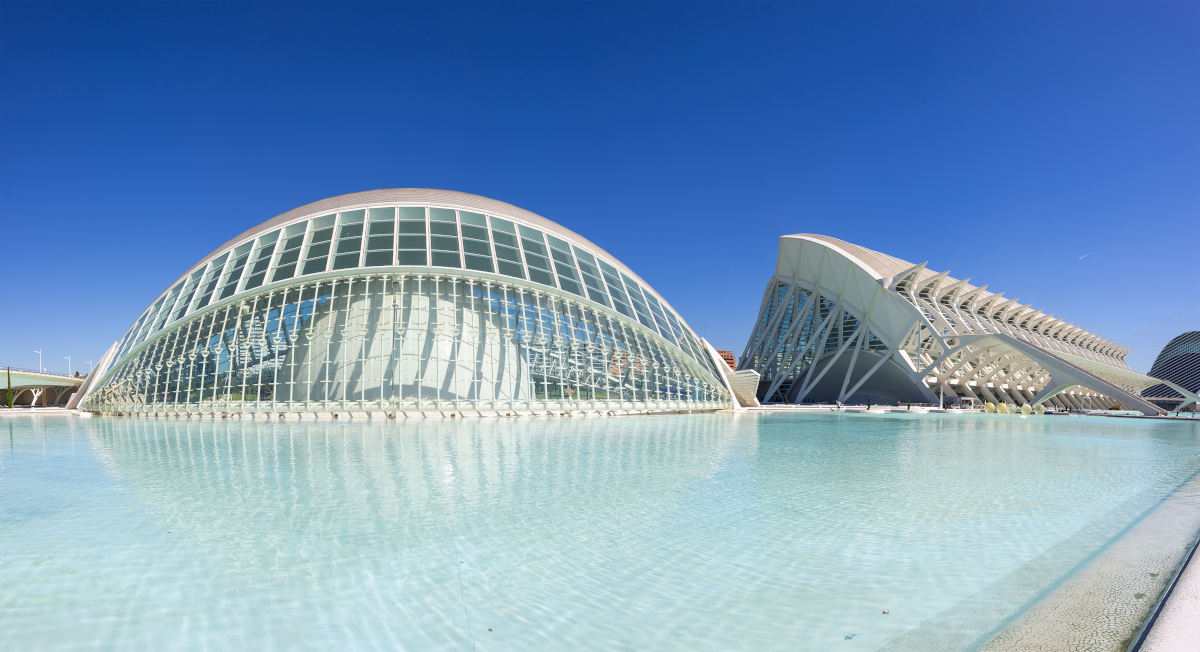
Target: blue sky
(1049, 149)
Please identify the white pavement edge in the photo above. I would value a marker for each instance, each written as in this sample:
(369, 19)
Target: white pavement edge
(1178, 625)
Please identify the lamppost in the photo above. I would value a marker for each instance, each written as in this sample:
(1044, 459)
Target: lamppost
(39, 352)
(89, 366)
(68, 364)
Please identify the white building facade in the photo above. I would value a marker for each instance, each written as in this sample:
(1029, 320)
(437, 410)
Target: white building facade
(840, 322)
(408, 300)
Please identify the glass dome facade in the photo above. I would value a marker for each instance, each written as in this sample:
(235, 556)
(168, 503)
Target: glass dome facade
(408, 300)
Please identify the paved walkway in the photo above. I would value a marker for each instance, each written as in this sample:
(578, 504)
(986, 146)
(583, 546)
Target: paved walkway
(1178, 626)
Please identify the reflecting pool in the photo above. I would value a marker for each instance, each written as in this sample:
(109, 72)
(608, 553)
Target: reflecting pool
(712, 531)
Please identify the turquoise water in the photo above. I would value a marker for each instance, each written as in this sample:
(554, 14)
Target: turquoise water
(776, 531)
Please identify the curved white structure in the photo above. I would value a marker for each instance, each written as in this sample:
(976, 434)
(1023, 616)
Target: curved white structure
(408, 300)
(840, 322)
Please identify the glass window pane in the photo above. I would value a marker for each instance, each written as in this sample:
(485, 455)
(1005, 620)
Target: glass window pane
(443, 243)
(379, 242)
(382, 214)
(353, 217)
(441, 215)
(444, 259)
(504, 226)
(283, 272)
(412, 242)
(508, 253)
(467, 217)
(538, 276)
(412, 258)
(443, 228)
(570, 286)
(381, 228)
(378, 259)
(315, 265)
(476, 232)
(477, 247)
(412, 227)
(511, 269)
(479, 263)
(346, 261)
(410, 213)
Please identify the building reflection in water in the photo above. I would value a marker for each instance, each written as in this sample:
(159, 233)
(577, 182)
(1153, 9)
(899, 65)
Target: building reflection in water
(401, 511)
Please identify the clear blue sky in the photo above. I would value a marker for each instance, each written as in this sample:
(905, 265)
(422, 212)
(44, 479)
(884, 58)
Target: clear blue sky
(1049, 149)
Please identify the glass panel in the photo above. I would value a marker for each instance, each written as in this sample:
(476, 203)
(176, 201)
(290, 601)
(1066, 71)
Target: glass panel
(411, 213)
(475, 232)
(412, 242)
(317, 254)
(379, 242)
(378, 258)
(479, 263)
(443, 243)
(474, 219)
(293, 239)
(210, 281)
(443, 228)
(262, 259)
(412, 258)
(444, 259)
(234, 274)
(477, 247)
(441, 215)
(502, 225)
(385, 214)
(501, 238)
(353, 217)
(511, 269)
(615, 289)
(349, 243)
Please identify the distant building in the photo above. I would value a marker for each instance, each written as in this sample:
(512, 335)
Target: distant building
(840, 322)
(1179, 363)
(727, 356)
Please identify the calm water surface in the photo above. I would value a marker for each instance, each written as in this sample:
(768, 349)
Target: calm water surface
(711, 531)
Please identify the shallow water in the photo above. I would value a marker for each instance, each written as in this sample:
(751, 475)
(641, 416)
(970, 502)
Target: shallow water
(702, 531)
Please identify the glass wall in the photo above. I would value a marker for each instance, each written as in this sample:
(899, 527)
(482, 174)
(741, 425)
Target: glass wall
(414, 236)
(398, 341)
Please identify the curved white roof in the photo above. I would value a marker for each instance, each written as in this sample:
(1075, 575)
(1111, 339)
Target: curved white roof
(416, 196)
(896, 272)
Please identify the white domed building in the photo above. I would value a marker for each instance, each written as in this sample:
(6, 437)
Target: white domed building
(408, 301)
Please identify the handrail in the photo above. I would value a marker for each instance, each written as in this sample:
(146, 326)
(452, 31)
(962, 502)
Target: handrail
(44, 373)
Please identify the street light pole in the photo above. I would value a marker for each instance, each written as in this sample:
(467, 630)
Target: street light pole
(68, 364)
(39, 352)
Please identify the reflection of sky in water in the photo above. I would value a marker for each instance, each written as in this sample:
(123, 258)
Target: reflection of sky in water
(710, 531)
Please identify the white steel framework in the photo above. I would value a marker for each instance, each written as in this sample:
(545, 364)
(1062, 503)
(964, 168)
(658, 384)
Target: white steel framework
(840, 322)
(408, 300)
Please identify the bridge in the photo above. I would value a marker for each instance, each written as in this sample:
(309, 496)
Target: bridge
(31, 388)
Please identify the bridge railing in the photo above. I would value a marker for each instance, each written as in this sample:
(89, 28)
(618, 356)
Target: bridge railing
(4, 368)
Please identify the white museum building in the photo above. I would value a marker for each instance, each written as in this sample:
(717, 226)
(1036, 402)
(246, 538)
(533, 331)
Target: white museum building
(840, 322)
(408, 301)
